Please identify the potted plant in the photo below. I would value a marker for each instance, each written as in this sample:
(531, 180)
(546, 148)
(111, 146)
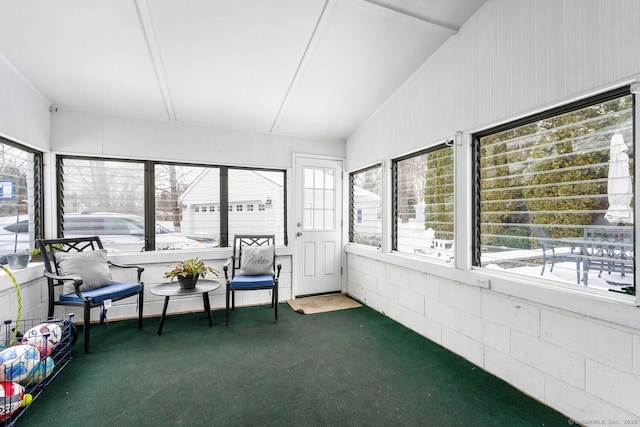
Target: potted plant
(36, 255)
(189, 271)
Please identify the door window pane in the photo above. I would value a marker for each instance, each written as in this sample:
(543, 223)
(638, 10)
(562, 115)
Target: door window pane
(319, 199)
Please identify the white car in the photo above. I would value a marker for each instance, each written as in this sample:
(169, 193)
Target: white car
(118, 233)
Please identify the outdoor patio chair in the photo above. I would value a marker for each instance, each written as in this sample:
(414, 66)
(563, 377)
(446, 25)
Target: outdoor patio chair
(547, 244)
(253, 266)
(80, 266)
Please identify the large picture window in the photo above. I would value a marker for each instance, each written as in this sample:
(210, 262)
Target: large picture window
(423, 203)
(365, 221)
(103, 198)
(555, 195)
(20, 197)
(185, 202)
(189, 206)
(263, 188)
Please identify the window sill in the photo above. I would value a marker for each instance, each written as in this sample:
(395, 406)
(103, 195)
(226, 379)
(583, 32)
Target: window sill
(151, 257)
(35, 269)
(610, 307)
(32, 272)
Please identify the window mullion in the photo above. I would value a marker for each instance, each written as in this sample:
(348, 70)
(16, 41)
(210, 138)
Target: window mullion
(149, 206)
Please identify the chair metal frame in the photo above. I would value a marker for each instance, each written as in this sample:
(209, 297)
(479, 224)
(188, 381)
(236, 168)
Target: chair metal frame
(241, 241)
(49, 247)
(547, 244)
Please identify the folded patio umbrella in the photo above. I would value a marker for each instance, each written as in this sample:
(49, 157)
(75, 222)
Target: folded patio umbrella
(619, 188)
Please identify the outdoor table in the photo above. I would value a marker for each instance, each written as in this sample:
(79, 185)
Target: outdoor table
(607, 246)
(173, 289)
(578, 249)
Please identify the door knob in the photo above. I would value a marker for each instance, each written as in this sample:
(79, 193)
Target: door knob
(299, 234)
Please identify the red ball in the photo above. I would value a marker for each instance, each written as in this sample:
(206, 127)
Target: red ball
(11, 395)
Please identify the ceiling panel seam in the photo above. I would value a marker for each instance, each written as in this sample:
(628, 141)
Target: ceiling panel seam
(156, 58)
(299, 67)
(22, 77)
(449, 27)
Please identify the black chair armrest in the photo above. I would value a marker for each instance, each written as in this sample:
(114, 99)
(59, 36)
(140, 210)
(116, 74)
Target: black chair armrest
(77, 281)
(140, 268)
(63, 278)
(278, 268)
(225, 267)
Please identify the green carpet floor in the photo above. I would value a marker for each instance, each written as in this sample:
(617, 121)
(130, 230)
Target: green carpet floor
(345, 368)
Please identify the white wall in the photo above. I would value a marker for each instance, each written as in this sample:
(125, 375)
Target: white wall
(512, 57)
(82, 133)
(24, 113)
(157, 263)
(24, 118)
(575, 351)
(34, 297)
(583, 367)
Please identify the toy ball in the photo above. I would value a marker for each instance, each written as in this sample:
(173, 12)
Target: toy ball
(11, 396)
(44, 337)
(41, 371)
(26, 400)
(17, 362)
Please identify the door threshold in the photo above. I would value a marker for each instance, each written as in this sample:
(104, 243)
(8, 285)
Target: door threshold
(317, 295)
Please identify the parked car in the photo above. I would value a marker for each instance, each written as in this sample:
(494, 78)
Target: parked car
(14, 235)
(118, 233)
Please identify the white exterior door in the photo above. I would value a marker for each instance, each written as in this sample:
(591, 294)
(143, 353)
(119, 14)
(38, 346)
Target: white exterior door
(318, 237)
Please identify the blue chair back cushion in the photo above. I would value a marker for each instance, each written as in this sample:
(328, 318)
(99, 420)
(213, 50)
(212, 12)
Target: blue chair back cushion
(113, 291)
(262, 280)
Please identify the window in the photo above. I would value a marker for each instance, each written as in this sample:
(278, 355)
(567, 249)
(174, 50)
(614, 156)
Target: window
(423, 203)
(97, 194)
(20, 197)
(555, 194)
(264, 188)
(178, 188)
(365, 222)
(98, 190)
(319, 199)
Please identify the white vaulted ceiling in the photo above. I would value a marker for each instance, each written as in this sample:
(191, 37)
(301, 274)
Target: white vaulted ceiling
(315, 68)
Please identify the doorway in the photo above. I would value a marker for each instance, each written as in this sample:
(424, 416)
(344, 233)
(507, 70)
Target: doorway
(318, 231)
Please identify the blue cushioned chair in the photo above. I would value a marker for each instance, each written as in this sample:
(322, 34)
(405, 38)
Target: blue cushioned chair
(253, 266)
(56, 251)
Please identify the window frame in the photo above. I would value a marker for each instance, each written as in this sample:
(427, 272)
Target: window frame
(394, 189)
(352, 174)
(476, 185)
(38, 193)
(149, 194)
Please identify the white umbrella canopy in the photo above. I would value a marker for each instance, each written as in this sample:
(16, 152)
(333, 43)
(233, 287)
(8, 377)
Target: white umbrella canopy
(619, 188)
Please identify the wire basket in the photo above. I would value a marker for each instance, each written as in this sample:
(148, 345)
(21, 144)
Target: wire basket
(30, 358)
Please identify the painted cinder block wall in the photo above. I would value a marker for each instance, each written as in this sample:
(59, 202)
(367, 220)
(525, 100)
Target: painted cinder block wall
(34, 296)
(574, 351)
(583, 367)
